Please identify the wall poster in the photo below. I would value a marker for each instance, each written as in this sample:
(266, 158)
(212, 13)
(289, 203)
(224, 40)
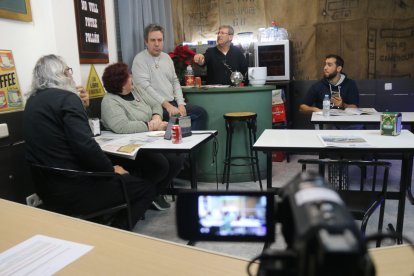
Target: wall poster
(16, 9)
(10, 94)
(91, 27)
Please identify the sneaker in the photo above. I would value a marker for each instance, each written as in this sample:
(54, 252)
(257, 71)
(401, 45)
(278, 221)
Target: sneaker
(160, 203)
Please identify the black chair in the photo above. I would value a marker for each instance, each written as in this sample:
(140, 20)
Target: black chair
(45, 177)
(361, 202)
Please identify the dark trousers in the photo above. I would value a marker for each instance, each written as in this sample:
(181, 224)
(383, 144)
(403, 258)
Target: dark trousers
(197, 114)
(86, 195)
(158, 168)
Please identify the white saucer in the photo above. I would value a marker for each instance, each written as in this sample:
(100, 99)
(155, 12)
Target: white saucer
(159, 133)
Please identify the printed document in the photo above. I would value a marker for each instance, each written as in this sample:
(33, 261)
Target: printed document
(40, 255)
(347, 141)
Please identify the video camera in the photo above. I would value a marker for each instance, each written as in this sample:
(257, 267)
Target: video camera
(321, 235)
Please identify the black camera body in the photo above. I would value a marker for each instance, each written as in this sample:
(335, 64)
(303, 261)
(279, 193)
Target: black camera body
(321, 235)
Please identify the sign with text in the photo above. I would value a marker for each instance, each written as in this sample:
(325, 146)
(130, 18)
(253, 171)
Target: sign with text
(10, 94)
(91, 27)
(94, 85)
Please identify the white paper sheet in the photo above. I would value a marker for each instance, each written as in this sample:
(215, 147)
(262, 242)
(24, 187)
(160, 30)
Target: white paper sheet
(40, 255)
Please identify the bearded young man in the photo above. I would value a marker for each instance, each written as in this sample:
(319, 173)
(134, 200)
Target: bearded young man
(342, 91)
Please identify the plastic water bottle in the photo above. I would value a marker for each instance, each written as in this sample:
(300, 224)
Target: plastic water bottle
(326, 106)
(189, 76)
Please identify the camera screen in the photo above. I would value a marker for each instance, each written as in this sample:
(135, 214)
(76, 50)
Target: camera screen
(232, 215)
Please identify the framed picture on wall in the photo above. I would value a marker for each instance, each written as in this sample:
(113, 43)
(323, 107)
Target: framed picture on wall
(16, 9)
(10, 93)
(91, 27)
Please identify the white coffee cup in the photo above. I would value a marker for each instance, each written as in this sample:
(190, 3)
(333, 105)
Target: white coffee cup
(257, 75)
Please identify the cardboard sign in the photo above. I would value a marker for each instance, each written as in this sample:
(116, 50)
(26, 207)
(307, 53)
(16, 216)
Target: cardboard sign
(94, 85)
(10, 94)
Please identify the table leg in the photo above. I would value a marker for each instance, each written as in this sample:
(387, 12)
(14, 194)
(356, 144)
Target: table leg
(269, 169)
(406, 173)
(193, 170)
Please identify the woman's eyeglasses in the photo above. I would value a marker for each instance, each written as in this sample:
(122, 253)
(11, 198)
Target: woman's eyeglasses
(68, 70)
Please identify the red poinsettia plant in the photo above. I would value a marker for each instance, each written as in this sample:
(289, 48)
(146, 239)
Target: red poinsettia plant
(182, 56)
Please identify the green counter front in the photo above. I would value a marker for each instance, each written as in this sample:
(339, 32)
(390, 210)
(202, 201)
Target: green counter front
(217, 101)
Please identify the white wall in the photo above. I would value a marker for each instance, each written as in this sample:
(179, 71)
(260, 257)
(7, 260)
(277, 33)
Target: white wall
(52, 31)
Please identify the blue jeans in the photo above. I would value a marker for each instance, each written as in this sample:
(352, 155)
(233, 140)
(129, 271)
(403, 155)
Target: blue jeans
(197, 114)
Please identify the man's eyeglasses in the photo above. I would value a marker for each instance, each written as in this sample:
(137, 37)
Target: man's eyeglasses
(221, 33)
(68, 70)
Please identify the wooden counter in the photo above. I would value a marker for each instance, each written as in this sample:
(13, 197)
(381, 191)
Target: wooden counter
(218, 101)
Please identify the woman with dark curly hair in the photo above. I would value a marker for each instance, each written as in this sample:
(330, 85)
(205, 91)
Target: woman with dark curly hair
(125, 110)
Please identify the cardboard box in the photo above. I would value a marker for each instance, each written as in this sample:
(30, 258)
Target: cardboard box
(391, 123)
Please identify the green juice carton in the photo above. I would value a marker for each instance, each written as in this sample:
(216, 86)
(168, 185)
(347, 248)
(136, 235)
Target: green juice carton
(391, 123)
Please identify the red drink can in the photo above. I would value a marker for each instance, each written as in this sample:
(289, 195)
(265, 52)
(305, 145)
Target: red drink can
(176, 134)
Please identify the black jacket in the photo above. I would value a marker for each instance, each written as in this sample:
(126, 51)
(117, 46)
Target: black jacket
(57, 132)
(220, 66)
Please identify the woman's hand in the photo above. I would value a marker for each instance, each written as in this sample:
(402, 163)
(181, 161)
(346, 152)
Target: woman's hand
(163, 125)
(83, 94)
(120, 170)
(156, 125)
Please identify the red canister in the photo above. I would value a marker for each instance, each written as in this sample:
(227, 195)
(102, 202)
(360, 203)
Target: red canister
(176, 134)
(198, 82)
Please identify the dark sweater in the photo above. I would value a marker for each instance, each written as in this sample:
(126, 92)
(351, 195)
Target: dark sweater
(348, 91)
(57, 132)
(217, 72)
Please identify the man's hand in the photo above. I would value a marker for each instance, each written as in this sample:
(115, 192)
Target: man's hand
(303, 108)
(199, 59)
(83, 94)
(172, 110)
(120, 170)
(183, 111)
(337, 101)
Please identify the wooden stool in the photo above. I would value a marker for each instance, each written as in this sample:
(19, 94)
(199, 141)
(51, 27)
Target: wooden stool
(250, 119)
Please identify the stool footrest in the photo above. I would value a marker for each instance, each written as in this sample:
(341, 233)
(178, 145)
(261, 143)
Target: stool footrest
(251, 161)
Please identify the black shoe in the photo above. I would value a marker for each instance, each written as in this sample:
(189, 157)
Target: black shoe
(160, 203)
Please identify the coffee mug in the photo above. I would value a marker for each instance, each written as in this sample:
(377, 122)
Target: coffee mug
(257, 75)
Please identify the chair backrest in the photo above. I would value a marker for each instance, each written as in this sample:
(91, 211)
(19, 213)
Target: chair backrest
(338, 172)
(47, 180)
(362, 202)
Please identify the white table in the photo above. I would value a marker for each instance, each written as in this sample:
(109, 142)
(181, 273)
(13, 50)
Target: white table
(320, 120)
(300, 141)
(189, 145)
